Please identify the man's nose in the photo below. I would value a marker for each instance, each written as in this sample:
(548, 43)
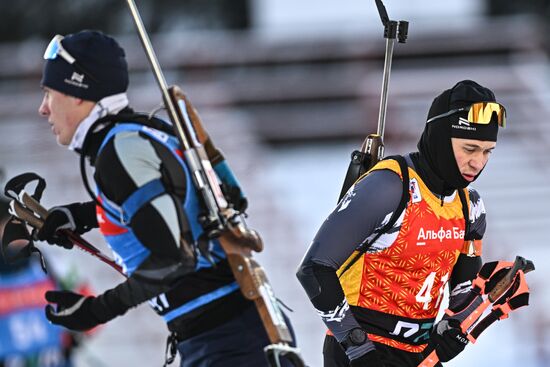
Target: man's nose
(478, 162)
(43, 109)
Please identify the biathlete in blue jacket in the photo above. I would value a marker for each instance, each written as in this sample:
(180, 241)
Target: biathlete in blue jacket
(147, 209)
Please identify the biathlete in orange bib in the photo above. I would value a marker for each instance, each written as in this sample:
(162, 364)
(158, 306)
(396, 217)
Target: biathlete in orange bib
(379, 292)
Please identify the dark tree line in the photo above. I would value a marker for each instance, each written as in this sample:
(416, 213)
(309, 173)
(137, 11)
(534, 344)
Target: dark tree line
(41, 18)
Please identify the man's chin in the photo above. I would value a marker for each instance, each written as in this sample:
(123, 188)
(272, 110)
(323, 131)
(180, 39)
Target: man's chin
(61, 142)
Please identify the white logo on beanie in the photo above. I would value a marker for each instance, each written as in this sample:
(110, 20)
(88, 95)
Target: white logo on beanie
(77, 80)
(464, 124)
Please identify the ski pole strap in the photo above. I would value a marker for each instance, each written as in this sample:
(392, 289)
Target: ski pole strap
(473, 306)
(517, 296)
(501, 284)
(491, 277)
(17, 243)
(467, 316)
(31, 212)
(17, 184)
(490, 274)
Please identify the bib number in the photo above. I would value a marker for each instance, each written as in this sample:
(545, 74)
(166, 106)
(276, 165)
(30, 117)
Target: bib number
(425, 294)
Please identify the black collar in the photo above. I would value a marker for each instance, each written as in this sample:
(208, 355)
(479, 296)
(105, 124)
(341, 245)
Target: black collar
(97, 132)
(430, 178)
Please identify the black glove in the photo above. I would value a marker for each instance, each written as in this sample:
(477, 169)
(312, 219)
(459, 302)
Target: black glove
(371, 359)
(77, 312)
(77, 217)
(447, 339)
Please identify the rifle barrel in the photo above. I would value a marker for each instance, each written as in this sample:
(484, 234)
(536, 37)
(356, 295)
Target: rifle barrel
(385, 84)
(159, 76)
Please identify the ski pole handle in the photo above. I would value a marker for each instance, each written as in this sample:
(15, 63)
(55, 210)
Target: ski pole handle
(27, 215)
(18, 210)
(31, 203)
(471, 314)
(520, 263)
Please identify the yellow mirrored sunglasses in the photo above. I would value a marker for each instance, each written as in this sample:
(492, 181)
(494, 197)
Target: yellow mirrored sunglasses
(479, 113)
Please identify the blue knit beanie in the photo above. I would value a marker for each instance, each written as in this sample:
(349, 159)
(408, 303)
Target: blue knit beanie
(99, 70)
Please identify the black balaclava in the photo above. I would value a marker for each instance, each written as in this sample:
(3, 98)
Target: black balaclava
(436, 162)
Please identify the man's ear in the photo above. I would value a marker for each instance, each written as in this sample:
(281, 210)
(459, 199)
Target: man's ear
(83, 102)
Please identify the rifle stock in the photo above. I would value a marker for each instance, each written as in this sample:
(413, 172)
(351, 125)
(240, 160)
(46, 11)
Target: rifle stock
(362, 161)
(224, 223)
(255, 286)
(177, 95)
(238, 242)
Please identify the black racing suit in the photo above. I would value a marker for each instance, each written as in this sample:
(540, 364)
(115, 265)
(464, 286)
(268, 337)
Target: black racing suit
(359, 298)
(155, 244)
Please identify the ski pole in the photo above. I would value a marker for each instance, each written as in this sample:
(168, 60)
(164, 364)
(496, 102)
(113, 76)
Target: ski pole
(35, 218)
(27, 208)
(507, 294)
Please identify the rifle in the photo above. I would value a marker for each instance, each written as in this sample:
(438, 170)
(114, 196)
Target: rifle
(372, 149)
(221, 221)
(500, 284)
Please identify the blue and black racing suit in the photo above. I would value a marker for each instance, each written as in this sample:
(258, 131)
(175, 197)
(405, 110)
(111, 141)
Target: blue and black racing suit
(149, 214)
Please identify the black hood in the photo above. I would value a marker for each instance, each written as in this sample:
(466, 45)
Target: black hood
(436, 160)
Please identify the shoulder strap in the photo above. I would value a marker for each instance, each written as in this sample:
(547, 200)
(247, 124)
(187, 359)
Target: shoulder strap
(466, 213)
(140, 118)
(405, 196)
(126, 115)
